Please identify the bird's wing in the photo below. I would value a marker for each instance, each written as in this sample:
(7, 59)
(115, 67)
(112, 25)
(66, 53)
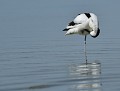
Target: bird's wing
(80, 19)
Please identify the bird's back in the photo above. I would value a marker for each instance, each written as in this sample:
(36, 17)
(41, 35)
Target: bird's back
(81, 18)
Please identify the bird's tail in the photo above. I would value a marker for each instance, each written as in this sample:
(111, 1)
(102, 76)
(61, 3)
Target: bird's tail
(65, 29)
(71, 31)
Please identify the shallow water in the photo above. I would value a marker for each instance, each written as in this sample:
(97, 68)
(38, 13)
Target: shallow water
(36, 56)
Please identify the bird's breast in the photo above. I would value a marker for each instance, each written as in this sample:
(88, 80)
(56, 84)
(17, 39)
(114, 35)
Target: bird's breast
(84, 32)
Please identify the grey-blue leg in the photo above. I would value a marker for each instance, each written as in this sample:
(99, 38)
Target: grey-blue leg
(85, 49)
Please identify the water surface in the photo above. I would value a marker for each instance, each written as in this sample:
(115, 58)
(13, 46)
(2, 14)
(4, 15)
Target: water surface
(35, 55)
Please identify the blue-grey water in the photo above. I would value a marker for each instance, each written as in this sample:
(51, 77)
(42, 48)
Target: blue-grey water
(36, 56)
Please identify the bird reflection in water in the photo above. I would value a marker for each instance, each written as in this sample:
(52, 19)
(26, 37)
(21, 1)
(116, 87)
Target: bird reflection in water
(87, 77)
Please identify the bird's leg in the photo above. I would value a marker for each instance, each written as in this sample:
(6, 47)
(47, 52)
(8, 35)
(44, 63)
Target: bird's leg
(85, 49)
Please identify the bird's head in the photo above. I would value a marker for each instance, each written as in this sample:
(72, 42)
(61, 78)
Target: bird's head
(94, 34)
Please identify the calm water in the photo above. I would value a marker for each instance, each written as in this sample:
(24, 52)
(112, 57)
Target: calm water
(36, 56)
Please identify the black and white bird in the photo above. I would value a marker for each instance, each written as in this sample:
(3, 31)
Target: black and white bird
(84, 24)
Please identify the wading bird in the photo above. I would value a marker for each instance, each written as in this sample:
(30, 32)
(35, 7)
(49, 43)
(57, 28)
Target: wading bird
(84, 24)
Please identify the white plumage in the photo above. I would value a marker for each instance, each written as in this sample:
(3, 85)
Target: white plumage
(84, 24)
